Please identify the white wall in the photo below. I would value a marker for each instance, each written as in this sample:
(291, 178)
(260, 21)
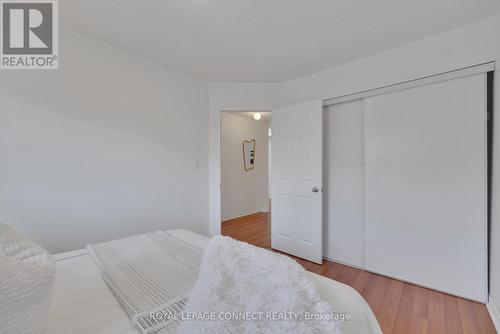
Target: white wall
(458, 48)
(269, 160)
(495, 219)
(101, 148)
(243, 192)
(232, 96)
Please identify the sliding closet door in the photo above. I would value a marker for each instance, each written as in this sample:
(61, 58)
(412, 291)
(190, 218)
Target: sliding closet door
(425, 186)
(343, 177)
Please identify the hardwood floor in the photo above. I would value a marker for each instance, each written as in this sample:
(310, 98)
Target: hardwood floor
(401, 308)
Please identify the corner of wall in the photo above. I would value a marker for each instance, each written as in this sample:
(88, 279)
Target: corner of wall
(494, 302)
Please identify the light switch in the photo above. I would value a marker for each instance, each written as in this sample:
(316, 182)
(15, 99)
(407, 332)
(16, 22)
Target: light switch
(196, 165)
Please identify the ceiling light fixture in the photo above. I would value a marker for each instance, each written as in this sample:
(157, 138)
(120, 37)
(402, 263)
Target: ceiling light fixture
(257, 116)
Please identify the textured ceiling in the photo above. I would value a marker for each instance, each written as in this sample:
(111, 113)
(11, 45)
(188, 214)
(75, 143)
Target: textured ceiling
(265, 40)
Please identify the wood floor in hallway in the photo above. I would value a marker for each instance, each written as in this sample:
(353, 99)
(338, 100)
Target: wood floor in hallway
(401, 308)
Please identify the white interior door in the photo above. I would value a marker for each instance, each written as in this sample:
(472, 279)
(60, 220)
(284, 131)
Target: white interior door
(296, 216)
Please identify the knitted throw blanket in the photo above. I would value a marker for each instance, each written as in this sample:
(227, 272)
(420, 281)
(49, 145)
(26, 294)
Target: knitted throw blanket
(149, 273)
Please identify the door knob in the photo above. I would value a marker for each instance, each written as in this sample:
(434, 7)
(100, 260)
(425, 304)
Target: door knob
(315, 189)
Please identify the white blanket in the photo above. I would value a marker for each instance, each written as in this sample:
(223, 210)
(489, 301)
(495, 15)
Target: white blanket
(26, 282)
(149, 273)
(243, 289)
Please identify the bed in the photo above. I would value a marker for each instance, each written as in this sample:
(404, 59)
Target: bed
(82, 302)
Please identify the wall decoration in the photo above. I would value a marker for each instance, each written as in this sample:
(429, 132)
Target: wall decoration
(248, 154)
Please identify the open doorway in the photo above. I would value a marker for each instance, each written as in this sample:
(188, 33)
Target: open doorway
(245, 176)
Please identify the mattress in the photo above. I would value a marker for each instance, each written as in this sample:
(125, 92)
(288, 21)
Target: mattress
(83, 303)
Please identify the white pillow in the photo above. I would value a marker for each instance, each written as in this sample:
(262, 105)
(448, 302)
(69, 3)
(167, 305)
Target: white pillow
(26, 283)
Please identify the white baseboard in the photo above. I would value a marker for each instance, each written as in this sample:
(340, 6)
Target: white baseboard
(494, 314)
(344, 263)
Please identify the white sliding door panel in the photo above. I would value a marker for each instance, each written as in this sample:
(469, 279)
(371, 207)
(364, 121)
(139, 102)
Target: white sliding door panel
(344, 174)
(425, 186)
(297, 163)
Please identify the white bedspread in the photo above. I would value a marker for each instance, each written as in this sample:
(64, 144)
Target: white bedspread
(83, 303)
